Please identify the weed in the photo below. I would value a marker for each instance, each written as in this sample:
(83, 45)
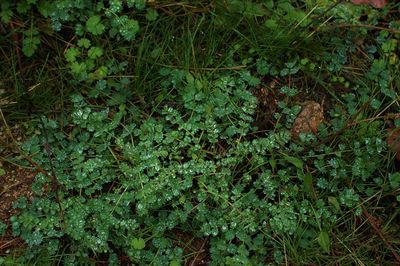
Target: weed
(156, 133)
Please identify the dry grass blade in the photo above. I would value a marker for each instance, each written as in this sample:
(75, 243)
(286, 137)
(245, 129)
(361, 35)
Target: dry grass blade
(372, 222)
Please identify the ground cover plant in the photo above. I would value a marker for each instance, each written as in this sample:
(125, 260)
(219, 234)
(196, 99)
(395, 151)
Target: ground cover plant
(200, 133)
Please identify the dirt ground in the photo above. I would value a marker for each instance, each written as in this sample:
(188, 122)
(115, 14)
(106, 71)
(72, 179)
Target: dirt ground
(15, 182)
(13, 185)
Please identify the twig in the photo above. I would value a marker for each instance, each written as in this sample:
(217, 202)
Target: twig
(16, 41)
(52, 177)
(8, 243)
(371, 222)
(8, 130)
(47, 147)
(9, 187)
(26, 157)
(199, 252)
(55, 185)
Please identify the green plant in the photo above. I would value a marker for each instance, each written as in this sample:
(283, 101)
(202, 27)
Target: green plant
(127, 183)
(3, 228)
(89, 175)
(158, 139)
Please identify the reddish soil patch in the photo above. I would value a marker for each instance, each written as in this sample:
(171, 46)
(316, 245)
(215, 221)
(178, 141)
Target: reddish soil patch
(13, 185)
(268, 95)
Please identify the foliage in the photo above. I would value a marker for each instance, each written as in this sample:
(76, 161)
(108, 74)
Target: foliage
(160, 137)
(86, 17)
(129, 181)
(3, 228)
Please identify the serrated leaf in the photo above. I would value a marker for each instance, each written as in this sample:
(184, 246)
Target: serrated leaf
(324, 242)
(230, 131)
(116, 99)
(129, 29)
(271, 24)
(156, 52)
(151, 14)
(263, 67)
(389, 45)
(78, 68)
(30, 45)
(174, 263)
(100, 73)
(23, 7)
(71, 54)
(94, 25)
(2, 172)
(6, 15)
(140, 4)
(45, 8)
(304, 61)
(85, 43)
(138, 243)
(95, 52)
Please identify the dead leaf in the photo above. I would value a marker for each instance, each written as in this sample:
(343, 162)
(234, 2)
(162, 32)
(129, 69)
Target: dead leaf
(374, 3)
(308, 120)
